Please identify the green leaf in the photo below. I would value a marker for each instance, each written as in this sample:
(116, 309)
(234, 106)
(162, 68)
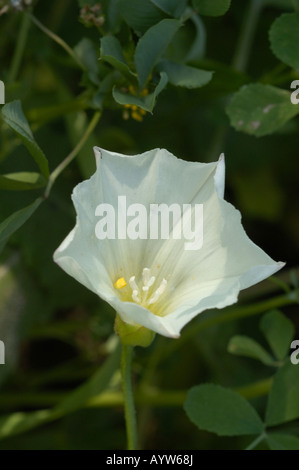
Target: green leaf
(21, 181)
(86, 53)
(152, 46)
(211, 7)
(111, 52)
(140, 14)
(278, 441)
(245, 346)
(198, 47)
(16, 220)
(94, 386)
(185, 76)
(260, 109)
(279, 331)
(13, 115)
(284, 39)
(171, 7)
(283, 401)
(145, 102)
(222, 411)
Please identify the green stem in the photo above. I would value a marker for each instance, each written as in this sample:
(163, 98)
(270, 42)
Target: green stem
(256, 442)
(242, 53)
(130, 415)
(149, 396)
(55, 38)
(19, 50)
(59, 169)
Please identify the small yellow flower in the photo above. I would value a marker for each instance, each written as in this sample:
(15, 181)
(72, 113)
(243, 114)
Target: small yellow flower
(137, 113)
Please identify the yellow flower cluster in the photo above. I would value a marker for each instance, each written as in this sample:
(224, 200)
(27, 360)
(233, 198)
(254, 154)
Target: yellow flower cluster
(137, 113)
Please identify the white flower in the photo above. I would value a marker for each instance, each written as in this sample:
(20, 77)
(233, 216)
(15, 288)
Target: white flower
(157, 283)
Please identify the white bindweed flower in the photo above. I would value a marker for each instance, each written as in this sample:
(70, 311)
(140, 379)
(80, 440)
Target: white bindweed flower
(158, 283)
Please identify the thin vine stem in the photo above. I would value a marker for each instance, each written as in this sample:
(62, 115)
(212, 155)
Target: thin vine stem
(59, 169)
(55, 38)
(19, 50)
(130, 414)
(256, 442)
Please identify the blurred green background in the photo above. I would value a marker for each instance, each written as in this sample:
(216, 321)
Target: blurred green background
(55, 331)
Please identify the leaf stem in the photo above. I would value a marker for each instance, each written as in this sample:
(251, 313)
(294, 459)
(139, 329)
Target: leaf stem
(53, 176)
(55, 38)
(130, 414)
(19, 50)
(242, 53)
(256, 442)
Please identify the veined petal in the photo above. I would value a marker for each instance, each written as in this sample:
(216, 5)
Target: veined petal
(158, 283)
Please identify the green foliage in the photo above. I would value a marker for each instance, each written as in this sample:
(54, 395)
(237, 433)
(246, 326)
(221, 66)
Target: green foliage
(211, 7)
(152, 46)
(222, 411)
(112, 53)
(169, 59)
(245, 346)
(278, 441)
(146, 102)
(283, 404)
(87, 55)
(140, 14)
(279, 332)
(185, 76)
(284, 39)
(16, 220)
(260, 110)
(13, 115)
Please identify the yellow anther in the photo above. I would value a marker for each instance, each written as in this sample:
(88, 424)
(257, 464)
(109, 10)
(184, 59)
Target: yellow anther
(120, 283)
(137, 116)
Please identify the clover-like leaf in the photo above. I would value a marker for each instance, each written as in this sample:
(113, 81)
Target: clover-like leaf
(279, 332)
(277, 441)
(222, 411)
(284, 39)
(260, 109)
(248, 347)
(283, 402)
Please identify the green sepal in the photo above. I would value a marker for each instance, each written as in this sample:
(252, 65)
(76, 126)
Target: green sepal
(133, 335)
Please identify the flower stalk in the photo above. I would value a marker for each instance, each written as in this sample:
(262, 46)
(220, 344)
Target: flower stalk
(130, 413)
